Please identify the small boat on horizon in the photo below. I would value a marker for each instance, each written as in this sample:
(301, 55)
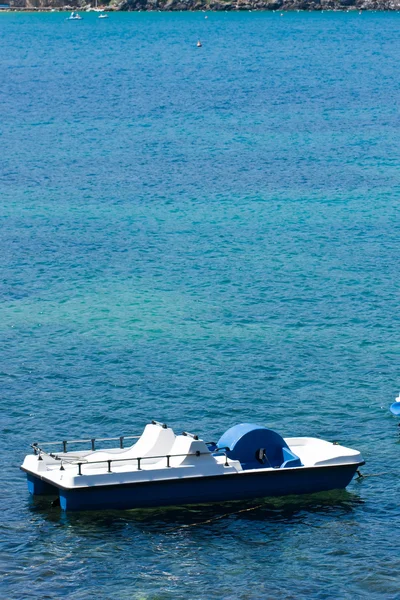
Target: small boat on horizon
(199, 44)
(164, 469)
(103, 15)
(74, 16)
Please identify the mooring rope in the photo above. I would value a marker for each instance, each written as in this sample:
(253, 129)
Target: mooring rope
(244, 510)
(212, 519)
(362, 476)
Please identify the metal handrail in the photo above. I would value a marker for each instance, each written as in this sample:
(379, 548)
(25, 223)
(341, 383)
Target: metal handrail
(163, 425)
(192, 435)
(140, 458)
(36, 445)
(64, 443)
(79, 463)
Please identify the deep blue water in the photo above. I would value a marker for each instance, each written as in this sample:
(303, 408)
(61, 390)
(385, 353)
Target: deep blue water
(201, 236)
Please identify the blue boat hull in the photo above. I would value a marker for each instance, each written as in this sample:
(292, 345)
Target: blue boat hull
(208, 489)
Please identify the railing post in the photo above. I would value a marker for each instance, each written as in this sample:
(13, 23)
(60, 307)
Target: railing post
(168, 457)
(79, 468)
(109, 466)
(65, 445)
(226, 460)
(121, 442)
(138, 464)
(93, 443)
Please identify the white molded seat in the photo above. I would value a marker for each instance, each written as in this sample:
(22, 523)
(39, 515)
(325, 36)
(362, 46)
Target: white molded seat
(155, 440)
(186, 447)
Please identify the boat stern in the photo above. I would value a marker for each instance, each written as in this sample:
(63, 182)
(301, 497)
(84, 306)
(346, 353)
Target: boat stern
(34, 467)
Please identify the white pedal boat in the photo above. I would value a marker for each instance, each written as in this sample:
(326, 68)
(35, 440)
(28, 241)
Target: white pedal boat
(161, 469)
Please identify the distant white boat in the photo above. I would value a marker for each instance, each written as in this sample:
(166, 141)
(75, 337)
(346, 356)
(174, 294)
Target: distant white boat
(103, 15)
(74, 16)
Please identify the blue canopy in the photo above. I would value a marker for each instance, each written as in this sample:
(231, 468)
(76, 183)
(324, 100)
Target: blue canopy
(257, 447)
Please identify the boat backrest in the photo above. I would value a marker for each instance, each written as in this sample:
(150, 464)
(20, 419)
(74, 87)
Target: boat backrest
(155, 440)
(186, 448)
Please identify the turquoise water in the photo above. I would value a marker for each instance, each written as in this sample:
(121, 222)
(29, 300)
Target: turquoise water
(201, 236)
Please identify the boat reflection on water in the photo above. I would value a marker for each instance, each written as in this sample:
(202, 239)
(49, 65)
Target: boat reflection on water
(264, 513)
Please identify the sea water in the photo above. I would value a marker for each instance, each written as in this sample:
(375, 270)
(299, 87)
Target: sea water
(203, 236)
